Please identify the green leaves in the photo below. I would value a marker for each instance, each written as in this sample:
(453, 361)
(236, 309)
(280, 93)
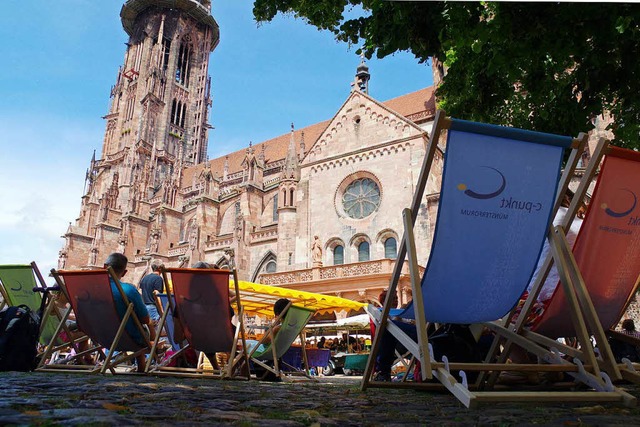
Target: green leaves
(552, 67)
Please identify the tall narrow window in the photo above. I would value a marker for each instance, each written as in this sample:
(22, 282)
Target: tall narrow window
(166, 49)
(139, 49)
(284, 197)
(291, 197)
(390, 248)
(363, 252)
(275, 207)
(183, 70)
(173, 112)
(184, 114)
(338, 255)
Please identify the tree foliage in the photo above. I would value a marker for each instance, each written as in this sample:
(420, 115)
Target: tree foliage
(551, 67)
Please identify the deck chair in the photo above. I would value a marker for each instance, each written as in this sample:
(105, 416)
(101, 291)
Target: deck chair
(202, 302)
(91, 298)
(500, 189)
(292, 322)
(162, 300)
(24, 285)
(603, 270)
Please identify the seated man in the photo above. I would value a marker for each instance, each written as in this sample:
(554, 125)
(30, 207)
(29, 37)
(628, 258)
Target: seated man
(118, 262)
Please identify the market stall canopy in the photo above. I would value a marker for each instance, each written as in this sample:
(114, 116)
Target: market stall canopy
(259, 299)
(359, 321)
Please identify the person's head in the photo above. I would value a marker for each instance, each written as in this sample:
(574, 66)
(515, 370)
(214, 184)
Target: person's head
(156, 266)
(118, 262)
(383, 296)
(280, 305)
(566, 202)
(201, 264)
(628, 325)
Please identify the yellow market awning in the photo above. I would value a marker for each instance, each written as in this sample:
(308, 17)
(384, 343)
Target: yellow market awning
(259, 299)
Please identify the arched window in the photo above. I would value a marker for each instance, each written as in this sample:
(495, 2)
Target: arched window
(363, 251)
(338, 255)
(270, 267)
(291, 197)
(390, 248)
(284, 197)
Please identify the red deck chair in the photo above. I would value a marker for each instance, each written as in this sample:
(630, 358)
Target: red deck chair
(202, 306)
(89, 293)
(606, 258)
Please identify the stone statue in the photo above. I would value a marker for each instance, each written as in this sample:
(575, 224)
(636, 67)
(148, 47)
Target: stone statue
(121, 245)
(62, 260)
(316, 252)
(93, 257)
(153, 247)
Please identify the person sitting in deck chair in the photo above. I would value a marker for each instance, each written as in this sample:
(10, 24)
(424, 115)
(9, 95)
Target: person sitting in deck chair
(118, 263)
(553, 278)
(456, 341)
(278, 310)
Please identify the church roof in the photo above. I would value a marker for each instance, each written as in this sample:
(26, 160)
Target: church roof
(416, 106)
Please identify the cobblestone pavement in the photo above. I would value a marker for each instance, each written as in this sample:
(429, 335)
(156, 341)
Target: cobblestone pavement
(80, 399)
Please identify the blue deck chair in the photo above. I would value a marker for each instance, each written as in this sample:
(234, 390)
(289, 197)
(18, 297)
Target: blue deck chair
(500, 189)
(291, 327)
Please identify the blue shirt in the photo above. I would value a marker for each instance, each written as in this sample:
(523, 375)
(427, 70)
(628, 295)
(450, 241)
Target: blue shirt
(139, 308)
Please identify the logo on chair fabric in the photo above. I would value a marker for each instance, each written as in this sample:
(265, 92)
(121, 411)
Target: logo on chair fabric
(624, 213)
(475, 195)
(19, 288)
(84, 296)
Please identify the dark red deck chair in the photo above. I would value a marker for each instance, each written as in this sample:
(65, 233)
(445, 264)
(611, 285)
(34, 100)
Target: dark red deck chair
(202, 308)
(606, 254)
(89, 293)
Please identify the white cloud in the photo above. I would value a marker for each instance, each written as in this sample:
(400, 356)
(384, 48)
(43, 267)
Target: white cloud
(41, 179)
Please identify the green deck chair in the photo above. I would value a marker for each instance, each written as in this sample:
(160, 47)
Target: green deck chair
(18, 284)
(292, 326)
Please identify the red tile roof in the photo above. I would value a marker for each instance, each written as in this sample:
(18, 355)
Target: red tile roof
(416, 106)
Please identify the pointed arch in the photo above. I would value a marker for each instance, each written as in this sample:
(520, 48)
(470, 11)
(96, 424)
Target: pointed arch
(266, 264)
(222, 263)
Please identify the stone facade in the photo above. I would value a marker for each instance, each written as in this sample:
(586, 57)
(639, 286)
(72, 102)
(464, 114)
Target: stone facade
(316, 209)
(324, 200)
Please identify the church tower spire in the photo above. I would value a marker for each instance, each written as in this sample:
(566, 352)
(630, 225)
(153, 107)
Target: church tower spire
(291, 168)
(161, 99)
(361, 81)
(157, 124)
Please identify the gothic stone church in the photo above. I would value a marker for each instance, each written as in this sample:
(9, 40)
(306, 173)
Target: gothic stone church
(315, 209)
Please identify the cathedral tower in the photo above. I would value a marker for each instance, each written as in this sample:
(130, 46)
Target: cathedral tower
(155, 127)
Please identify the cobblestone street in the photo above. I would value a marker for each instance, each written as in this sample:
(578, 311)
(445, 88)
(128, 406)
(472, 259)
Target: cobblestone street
(76, 399)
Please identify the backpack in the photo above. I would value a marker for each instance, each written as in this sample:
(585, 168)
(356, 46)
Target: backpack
(19, 330)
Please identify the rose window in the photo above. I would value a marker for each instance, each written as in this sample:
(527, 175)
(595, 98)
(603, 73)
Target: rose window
(361, 198)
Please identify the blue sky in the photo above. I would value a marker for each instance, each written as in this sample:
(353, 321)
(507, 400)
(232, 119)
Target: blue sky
(60, 59)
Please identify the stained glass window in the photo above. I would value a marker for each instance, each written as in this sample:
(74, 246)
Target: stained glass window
(390, 248)
(363, 251)
(361, 198)
(338, 255)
